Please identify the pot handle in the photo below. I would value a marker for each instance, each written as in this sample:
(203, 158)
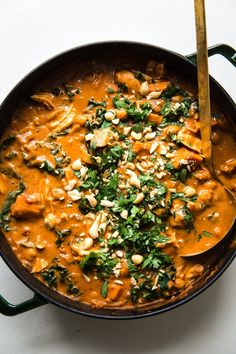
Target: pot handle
(11, 310)
(223, 49)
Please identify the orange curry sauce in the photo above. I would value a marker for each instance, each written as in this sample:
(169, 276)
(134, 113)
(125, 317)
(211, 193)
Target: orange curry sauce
(103, 187)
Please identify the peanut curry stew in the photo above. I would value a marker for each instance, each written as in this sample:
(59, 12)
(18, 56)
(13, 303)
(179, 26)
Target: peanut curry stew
(103, 186)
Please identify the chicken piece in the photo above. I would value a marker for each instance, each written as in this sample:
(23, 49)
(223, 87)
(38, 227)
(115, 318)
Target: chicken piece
(183, 156)
(189, 140)
(229, 167)
(53, 114)
(26, 135)
(39, 265)
(156, 69)
(65, 122)
(102, 137)
(178, 214)
(27, 206)
(45, 99)
(128, 78)
(203, 200)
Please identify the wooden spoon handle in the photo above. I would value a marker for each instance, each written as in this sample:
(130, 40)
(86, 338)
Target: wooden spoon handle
(203, 82)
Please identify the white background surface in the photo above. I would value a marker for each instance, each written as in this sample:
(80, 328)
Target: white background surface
(31, 32)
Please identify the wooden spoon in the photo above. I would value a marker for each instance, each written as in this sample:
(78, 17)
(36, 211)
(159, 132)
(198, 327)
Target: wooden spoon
(193, 246)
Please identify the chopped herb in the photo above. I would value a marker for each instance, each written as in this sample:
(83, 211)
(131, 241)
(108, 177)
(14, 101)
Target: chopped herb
(100, 262)
(121, 102)
(58, 273)
(174, 111)
(9, 201)
(61, 133)
(106, 124)
(204, 233)
(156, 259)
(137, 128)
(7, 142)
(11, 155)
(137, 114)
(56, 91)
(61, 234)
(207, 234)
(9, 172)
(140, 241)
(92, 181)
(123, 88)
(70, 91)
(110, 90)
(85, 206)
(104, 289)
(92, 103)
(139, 75)
(109, 190)
(111, 157)
(49, 168)
(144, 290)
(73, 289)
(181, 174)
(131, 155)
(174, 91)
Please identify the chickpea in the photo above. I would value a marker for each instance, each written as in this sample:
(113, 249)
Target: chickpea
(217, 231)
(58, 193)
(30, 253)
(50, 221)
(215, 138)
(179, 283)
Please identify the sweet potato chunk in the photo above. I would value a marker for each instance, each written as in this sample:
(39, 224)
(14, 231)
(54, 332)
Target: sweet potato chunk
(159, 86)
(155, 118)
(115, 292)
(138, 146)
(83, 154)
(45, 99)
(127, 78)
(27, 206)
(192, 125)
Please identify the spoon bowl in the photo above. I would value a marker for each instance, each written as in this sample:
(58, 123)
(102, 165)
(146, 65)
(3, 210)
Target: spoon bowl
(195, 244)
